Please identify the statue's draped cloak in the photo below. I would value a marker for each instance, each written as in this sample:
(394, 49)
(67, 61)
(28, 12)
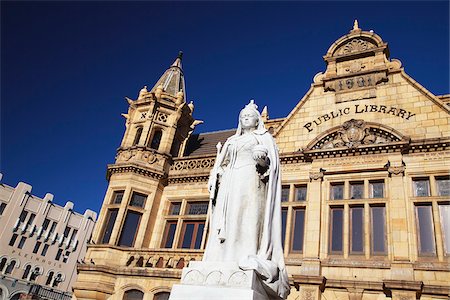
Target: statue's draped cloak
(245, 225)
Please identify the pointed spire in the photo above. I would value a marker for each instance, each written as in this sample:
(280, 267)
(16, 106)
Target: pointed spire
(265, 114)
(177, 62)
(355, 26)
(172, 81)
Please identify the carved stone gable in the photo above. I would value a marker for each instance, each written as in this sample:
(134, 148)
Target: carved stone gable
(354, 133)
(355, 45)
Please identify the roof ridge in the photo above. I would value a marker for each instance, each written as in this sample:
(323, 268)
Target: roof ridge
(217, 131)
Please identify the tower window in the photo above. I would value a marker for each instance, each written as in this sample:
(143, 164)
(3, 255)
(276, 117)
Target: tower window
(130, 229)
(111, 219)
(137, 137)
(156, 139)
(117, 197)
(138, 199)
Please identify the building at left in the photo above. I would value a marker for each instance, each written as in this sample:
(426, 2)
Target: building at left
(40, 244)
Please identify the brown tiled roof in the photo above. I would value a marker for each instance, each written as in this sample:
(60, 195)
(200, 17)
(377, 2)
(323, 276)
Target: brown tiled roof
(205, 143)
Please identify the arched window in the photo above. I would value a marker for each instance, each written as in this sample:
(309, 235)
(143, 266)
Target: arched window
(156, 139)
(26, 272)
(137, 137)
(57, 280)
(2, 264)
(36, 272)
(159, 263)
(140, 262)
(162, 296)
(49, 278)
(10, 267)
(133, 295)
(180, 264)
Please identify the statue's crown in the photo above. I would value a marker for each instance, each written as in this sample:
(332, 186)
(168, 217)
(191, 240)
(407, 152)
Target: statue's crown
(252, 105)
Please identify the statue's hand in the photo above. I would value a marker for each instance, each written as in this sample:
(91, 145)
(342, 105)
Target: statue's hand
(260, 154)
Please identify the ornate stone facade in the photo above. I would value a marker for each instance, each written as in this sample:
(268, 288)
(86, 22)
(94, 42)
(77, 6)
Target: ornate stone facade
(365, 179)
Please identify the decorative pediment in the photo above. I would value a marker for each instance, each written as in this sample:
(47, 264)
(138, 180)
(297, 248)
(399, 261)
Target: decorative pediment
(355, 45)
(354, 133)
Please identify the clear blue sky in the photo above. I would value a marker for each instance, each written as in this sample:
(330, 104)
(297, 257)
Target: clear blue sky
(67, 66)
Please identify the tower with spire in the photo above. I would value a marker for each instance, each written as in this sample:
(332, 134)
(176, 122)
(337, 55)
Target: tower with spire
(157, 124)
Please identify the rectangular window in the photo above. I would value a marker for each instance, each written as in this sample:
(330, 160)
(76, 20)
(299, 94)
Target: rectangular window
(36, 247)
(444, 210)
(169, 234)
(283, 226)
(44, 250)
(117, 197)
(175, 209)
(443, 185)
(376, 189)
(31, 219)
(138, 200)
(285, 193)
(2, 208)
(357, 190)
(192, 233)
(299, 228)
(66, 231)
(425, 230)
(197, 208)
(66, 256)
(58, 254)
(357, 230)
(421, 187)
(130, 229)
(110, 221)
(45, 224)
(300, 193)
(13, 239)
(22, 242)
(23, 216)
(73, 236)
(337, 191)
(378, 230)
(52, 228)
(337, 230)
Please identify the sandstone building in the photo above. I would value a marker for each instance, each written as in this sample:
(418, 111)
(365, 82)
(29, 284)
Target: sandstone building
(365, 174)
(40, 244)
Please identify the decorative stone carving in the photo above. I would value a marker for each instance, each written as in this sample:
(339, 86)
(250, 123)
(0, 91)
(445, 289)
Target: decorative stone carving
(141, 154)
(162, 117)
(308, 294)
(354, 133)
(315, 175)
(194, 277)
(396, 170)
(238, 278)
(355, 67)
(214, 278)
(193, 164)
(355, 45)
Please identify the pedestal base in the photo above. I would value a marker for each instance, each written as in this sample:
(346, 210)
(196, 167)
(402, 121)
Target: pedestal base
(220, 280)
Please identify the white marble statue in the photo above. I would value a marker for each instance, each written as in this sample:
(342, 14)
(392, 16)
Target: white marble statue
(245, 189)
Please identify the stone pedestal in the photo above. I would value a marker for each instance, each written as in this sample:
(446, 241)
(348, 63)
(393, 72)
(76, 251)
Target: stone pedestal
(220, 280)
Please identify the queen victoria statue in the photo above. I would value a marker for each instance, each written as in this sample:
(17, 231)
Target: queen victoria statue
(245, 192)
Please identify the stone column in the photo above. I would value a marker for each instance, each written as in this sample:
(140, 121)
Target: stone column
(310, 287)
(397, 214)
(402, 289)
(311, 262)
